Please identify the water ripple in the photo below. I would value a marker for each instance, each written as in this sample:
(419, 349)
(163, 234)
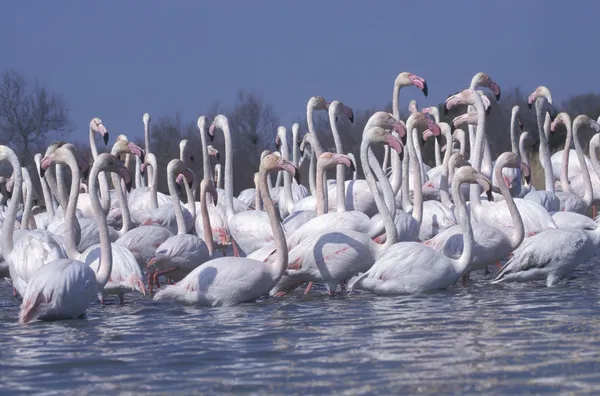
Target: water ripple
(506, 338)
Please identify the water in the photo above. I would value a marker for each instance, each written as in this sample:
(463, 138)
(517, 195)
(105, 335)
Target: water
(513, 338)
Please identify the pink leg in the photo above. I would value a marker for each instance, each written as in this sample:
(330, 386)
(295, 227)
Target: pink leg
(159, 273)
(236, 251)
(14, 292)
(308, 287)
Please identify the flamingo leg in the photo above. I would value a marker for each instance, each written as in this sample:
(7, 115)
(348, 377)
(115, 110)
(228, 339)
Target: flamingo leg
(121, 298)
(464, 279)
(308, 287)
(224, 252)
(594, 211)
(236, 251)
(159, 273)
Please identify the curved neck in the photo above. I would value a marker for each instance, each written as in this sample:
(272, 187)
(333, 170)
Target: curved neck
(70, 218)
(287, 178)
(514, 136)
(477, 154)
(8, 227)
(545, 152)
(523, 152)
(53, 185)
(153, 182)
(564, 168)
(257, 200)
(205, 159)
(280, 264)
(587, 181)
(204, 198)
(388, 221)
(138, 174)
(175, 201)
(444, 193)
(322, 195)
(149, 172)
(465, 224)
(27, 201)
(517, 236)
(45, 189)
(417, 212)
(295, 149)
(340, 174)
(125, 214)
(228, 169)
(60, 185)
(105, 266)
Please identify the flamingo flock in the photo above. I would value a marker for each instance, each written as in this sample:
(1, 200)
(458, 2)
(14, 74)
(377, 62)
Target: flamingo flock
(405, 228)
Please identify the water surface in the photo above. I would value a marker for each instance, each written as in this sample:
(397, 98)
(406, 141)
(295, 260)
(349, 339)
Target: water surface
(512, 338)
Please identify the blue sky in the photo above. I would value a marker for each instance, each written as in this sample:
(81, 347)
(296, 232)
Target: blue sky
(118, 59)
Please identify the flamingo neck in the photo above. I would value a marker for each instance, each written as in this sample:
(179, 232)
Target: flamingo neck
(281, 262)
(587, 181)
(466, 257)
(8, 227)
(340, 174)
(517, 237)
(388, 221)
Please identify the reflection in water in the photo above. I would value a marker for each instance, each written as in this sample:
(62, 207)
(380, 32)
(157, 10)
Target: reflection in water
(512, 338)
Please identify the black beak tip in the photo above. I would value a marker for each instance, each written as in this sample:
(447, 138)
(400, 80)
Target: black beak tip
(445, 110)
(403, 139)
(42, 172)
(425, 89)
(488, 110)
(351, 118)
(529, 106)
(218, 157)
(401, 155)
(297, 176)
(142, 157)
(352, 167)
(528, 179)
(105, 138)
(490, 196)
(86, 174)
(211, 137)
(498, 97)
(128, 186)
(438, 138)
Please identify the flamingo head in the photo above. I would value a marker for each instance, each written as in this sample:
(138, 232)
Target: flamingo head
(482, 79)
(317, 103)
(220, 122)
(273, 162)
(97, 126)
(146, 118)
(465, 97)
(213, 152)
(539, 91)
(337, 108)
(330, 160)
(406, 78)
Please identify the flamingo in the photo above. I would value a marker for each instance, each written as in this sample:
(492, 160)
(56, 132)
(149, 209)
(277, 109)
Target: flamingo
(234, 280)
(181, 253)
(64, 288)
(412, 267)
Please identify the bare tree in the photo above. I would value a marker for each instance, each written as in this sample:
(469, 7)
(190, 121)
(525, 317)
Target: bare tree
(28, 114)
